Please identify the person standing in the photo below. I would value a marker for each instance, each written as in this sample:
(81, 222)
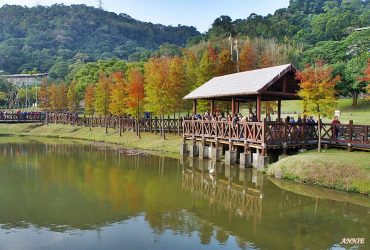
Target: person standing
(335, 126)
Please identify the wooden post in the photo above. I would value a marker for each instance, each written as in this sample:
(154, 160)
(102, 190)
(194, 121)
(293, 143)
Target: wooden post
(259, 107)
(238, 107)
(194, 107)
(150, 124)
(350, 132)
(279, 110)
(285, 136)
(232, 107)
(168, 124)
(212, 107)
(156, 125)
(264, 130)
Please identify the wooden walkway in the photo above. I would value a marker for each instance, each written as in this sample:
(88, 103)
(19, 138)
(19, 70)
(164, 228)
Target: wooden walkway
(275, 135)
(261, 135)
(168, 125)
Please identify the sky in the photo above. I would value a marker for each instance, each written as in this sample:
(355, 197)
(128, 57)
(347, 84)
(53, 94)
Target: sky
(197, 13)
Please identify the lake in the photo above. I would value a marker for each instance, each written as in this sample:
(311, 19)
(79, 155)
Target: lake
(59, 194)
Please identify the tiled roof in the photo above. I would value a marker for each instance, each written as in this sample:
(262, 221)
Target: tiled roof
(238, 84)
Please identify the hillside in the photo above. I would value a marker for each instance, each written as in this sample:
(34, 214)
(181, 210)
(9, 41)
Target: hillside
(40, 37)
(303, 21)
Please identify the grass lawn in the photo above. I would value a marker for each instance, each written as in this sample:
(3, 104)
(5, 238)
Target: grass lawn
(148, 141)
(334, 168)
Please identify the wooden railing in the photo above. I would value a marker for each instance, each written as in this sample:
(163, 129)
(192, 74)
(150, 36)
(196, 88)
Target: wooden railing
(277, 133)
(22, 117)
(251, 132)
(168, 125)
(346, 133)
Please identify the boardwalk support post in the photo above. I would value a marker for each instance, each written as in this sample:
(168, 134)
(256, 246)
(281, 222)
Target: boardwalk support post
(230, 155)
(245, 157)
(216, 152)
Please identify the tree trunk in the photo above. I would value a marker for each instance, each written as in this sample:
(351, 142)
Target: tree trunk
(119, 125)
(163, 131)
(319, 135)
(354, 99)
(106, 125)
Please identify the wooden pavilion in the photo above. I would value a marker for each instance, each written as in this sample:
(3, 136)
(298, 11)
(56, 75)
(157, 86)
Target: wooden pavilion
(277, 83)
(268, 84)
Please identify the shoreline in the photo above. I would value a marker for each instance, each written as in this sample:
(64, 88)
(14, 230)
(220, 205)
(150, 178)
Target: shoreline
(150, 143)
(322, 169)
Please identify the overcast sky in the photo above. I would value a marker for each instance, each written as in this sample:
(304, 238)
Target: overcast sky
(197, 13)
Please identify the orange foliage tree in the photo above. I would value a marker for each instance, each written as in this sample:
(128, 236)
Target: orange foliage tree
(54, 95)
(44, 95)
(247, 57)
(62, 98)
(225, 65)
(266, 59)
(317, 90)
(89, 99)
(136, 92)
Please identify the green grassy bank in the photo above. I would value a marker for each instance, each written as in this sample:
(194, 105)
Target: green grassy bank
(148, 141)
(336, 169)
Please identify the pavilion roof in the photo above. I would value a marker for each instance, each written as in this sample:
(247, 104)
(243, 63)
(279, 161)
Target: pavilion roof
(241, 84)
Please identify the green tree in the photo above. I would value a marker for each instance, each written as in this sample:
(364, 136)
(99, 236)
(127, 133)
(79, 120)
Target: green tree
(72, 97)
(354, 76)
(102, 95)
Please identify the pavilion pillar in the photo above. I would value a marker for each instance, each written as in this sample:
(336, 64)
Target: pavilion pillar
(232, 107)
(212, 107)
(194, 107)
(279, 110)
(238, 107)
(259, 107)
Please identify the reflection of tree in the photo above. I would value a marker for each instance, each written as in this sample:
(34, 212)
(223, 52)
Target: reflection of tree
(205, 233)
(222, 236)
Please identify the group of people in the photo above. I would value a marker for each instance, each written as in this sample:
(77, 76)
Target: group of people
(220, 116)
(238, 117)
(21, 115)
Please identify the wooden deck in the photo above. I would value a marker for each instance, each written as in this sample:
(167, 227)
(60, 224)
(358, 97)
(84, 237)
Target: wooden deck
(275, 135)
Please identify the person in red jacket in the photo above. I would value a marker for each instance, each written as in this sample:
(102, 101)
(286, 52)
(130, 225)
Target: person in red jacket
(335, 125)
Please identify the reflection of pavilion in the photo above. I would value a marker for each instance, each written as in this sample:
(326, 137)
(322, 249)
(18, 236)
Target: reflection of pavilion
(241, 196)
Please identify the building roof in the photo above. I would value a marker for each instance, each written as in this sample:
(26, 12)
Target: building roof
(26, 75)
(239, 84)
(364, 28)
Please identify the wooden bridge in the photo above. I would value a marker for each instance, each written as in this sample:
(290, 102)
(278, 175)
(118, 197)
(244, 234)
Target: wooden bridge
(168, 125)
(208, 138)
(274, 135)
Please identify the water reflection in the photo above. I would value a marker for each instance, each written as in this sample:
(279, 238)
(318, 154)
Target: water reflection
(70, 190)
